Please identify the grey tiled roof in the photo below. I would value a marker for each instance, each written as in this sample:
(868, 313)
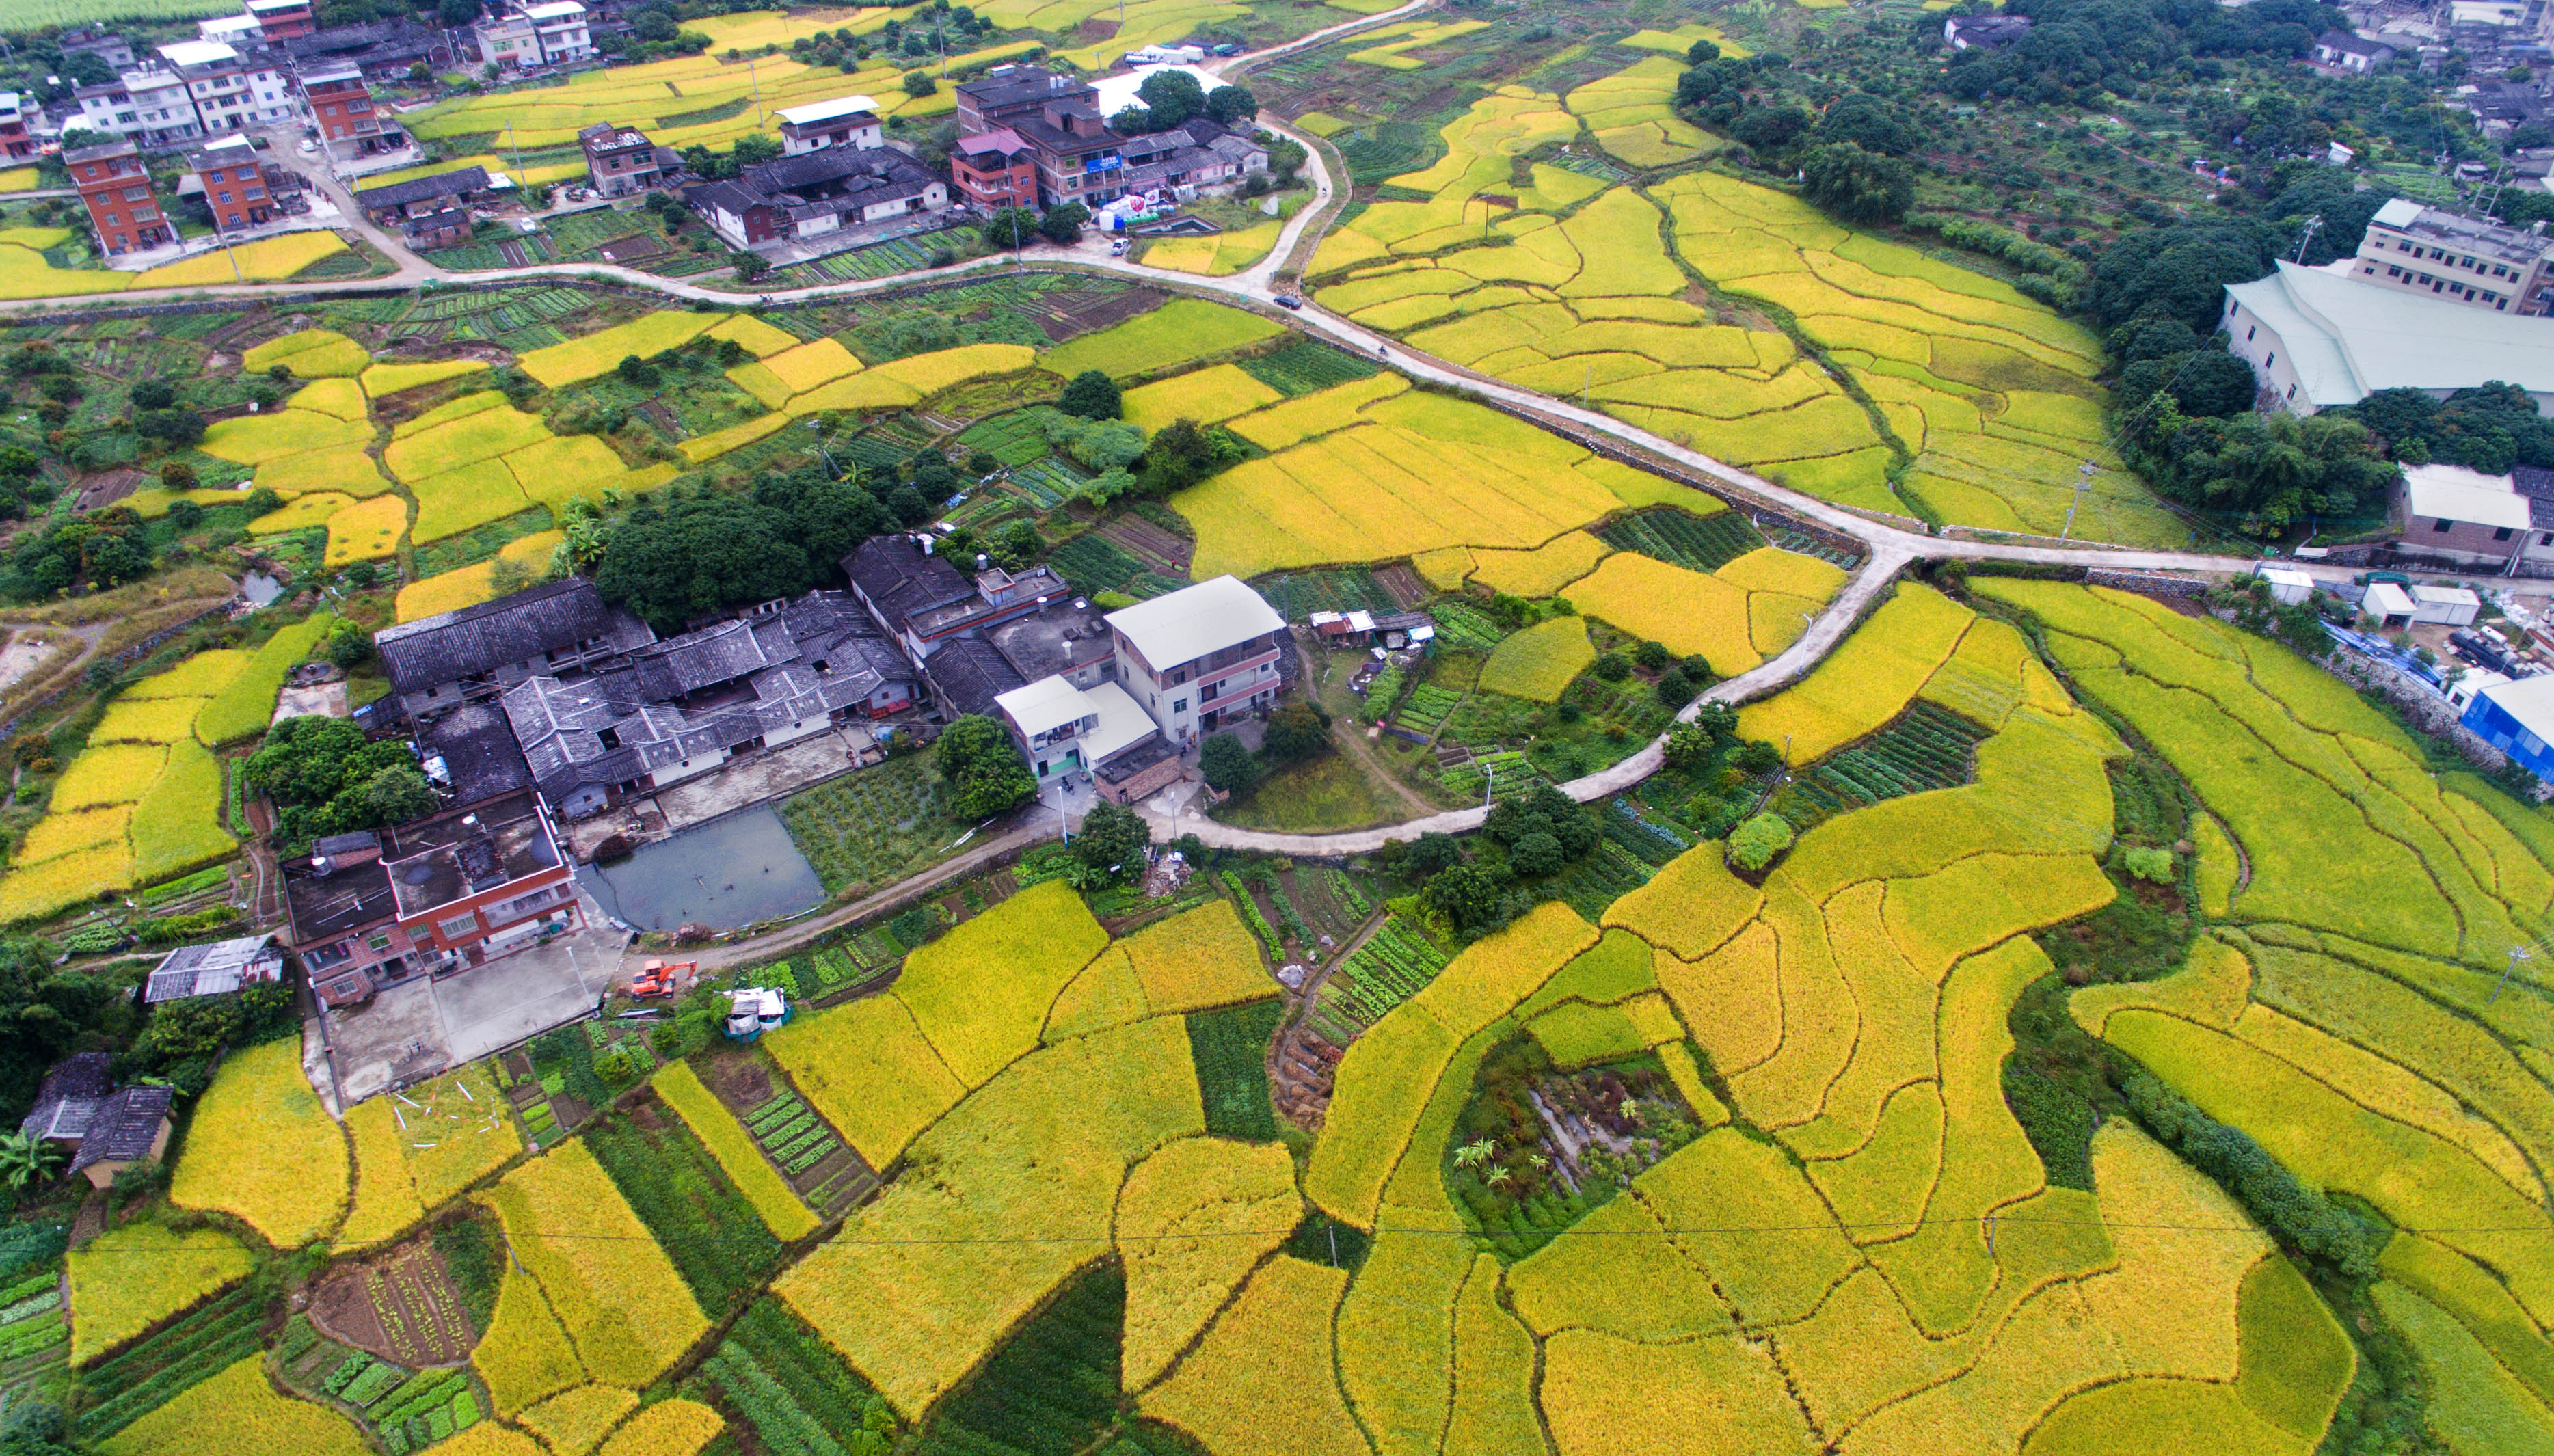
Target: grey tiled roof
(453, 645)
(123, 1128)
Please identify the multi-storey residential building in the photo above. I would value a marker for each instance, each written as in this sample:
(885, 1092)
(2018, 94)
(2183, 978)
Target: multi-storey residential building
(1183, 665)
(436, 897)
(1200, 656)
(620, 160)
(994, 171)
(115, 187)
(507, 41)
(14, 141)
(228, 90)
(2475, 262)
(341, 104)
(229, 29)
(232, 191)
(1010, 93)
(149, 107)
(282, 20)
(564, 31)
(553, 33)
(845, 121)
(1079, 157)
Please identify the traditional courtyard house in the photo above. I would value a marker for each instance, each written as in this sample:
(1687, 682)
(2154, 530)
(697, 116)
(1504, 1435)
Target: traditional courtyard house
(437, 663)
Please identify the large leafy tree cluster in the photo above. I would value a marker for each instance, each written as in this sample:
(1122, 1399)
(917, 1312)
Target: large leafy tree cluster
(2079, 49)
(104, 548)
(1172, 97)
(43, 1016)
(2178, 272)
(2270, 472)
(326, 778)
(985, 773)
(1857, 185)
(2490, 428)
(682, 560)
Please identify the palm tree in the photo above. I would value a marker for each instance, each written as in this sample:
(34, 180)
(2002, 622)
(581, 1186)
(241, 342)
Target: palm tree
(27, 1161)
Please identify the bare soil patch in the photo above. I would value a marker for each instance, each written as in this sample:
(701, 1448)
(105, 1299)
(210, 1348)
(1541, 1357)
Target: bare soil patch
(400, 1306)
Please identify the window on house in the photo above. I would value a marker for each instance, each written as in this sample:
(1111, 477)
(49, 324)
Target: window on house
(2502, 535)
(2248, 333)
(459, 924)
(2442, 526)
(1179, 704)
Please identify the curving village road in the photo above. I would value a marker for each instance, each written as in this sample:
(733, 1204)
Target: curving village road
(1887, 549)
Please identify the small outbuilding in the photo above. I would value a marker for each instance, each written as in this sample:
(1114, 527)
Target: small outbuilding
(2288, 585)
(2391, 604)
(217, 969)
(2452, 605)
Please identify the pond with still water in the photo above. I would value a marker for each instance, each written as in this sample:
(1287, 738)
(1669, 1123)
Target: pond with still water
(729, 872)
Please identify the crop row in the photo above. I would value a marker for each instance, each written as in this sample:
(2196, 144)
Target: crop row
(1428, 706)
(1345, 890)
(1465, 626)
(1305, 367)
(154, 1371)
(1251, 912)
(715, 1238)
(1681, 538)
(1390, 967)
(1647, 840)
(1510, 774)
(1599, 879)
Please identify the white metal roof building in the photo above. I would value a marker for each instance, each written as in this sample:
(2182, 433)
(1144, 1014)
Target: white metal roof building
(1046, 706)
(1201, 656)
(1179, 627)
(817, 112)
(2454, 493)
(2319, 342)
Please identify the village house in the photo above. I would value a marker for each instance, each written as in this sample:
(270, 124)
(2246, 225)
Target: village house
(436, 897)
(923, 602)
(429, 212)
(217, 969)
(690, 704)
(14, 141)
(619, 160)
(994, 171)
(815, 194)
(845, 121)
(107, 1130)
(1200, 657)
(436, 664)
(2344, 52)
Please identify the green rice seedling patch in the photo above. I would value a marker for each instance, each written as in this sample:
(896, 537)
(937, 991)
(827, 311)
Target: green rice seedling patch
(717, 1241)
(1539, 661)
(1094, 563)
(1923, 748)
(1304, 366)
(148, 1374)
(785, 1382)
(1298, 595)
(1179, 331)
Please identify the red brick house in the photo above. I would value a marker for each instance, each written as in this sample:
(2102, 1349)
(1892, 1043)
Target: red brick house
(115, 187)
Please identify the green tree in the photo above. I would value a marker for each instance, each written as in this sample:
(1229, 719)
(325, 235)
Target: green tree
(1011, 227)
(984, 770)
(1296, 731)
(1110, 844)
(1231, 105)
(27, 1161)
(1228, 765)
(1753, 845)
(1858, 185)
(1062, 225)
(1092, 396)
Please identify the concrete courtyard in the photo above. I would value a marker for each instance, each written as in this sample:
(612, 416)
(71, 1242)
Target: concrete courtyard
(425, 1026)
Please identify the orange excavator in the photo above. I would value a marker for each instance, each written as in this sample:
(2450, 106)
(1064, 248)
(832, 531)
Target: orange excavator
(658, 980)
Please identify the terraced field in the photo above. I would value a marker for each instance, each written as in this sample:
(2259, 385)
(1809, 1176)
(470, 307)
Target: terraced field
(1945, 393)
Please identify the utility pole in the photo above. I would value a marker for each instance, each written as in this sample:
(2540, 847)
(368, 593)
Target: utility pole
(2314, 224)
(2517, 953)
(2083, 480)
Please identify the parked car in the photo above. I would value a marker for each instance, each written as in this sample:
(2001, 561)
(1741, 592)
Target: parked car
(308, 146)
(1288, 300)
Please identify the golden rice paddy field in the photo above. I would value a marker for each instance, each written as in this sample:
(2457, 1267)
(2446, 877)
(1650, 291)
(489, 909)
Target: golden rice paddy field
(1976, 404)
